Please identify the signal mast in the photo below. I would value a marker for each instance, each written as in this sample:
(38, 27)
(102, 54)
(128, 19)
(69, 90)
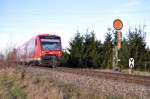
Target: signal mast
(118, 25)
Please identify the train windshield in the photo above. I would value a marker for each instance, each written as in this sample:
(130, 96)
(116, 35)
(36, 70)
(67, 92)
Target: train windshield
(50, 44)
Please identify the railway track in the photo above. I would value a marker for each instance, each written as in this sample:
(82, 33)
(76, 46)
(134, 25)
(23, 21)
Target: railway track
(129, 78)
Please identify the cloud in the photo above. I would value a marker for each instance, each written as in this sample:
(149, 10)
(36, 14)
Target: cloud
(127, 7)
(119, 11)
(132, 3)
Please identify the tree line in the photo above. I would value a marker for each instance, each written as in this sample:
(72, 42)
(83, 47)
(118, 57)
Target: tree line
(85, 51)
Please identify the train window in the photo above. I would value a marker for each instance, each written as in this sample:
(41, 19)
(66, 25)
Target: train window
(50, 45)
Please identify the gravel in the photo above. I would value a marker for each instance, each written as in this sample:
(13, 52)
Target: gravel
(96, 85)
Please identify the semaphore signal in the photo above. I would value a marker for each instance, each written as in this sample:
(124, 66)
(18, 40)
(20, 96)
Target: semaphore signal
(118, 25)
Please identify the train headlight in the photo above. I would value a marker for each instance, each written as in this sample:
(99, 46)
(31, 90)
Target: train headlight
(59, 53)
(43, 53)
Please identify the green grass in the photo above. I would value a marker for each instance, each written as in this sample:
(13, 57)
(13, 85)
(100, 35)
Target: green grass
(10, 88)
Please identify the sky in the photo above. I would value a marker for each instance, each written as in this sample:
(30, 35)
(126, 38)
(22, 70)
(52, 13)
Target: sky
(20, 20)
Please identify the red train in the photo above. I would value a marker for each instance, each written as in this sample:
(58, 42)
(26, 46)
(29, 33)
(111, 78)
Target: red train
(43, 49)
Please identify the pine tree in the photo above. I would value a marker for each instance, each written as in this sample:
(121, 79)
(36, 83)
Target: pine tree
(84, 51)
(76, 51)
(99, 50)
(108, 50)
(147, 60)
(137, 47)
(90, 50)
(124, 54)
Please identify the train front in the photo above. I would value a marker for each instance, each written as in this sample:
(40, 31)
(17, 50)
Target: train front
(51, 50)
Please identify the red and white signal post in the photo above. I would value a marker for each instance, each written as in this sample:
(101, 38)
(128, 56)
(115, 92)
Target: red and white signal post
(118, 25)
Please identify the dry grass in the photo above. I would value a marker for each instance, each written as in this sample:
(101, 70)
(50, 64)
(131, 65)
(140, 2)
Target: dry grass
(135, 72)
(34, 86)
(126, 71)
(10, 87)
(39, 87)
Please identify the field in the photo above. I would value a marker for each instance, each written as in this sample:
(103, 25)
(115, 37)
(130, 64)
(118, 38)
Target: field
(15, 83)
(38, 83)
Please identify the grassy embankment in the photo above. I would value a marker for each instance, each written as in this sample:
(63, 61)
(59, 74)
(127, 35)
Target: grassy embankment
(20, 84)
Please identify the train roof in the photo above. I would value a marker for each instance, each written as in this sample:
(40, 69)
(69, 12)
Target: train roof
(38, 36)
(48, 35)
